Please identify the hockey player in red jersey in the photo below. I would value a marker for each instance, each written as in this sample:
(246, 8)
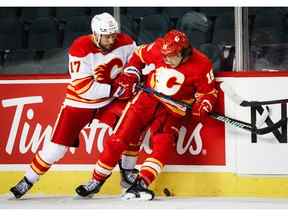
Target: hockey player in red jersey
(177, 70)
(94, 62)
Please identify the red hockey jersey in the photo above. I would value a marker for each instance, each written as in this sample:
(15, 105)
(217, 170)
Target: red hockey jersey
(192, 80)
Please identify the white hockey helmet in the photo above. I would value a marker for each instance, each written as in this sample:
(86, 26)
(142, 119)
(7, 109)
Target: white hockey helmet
(104, 24)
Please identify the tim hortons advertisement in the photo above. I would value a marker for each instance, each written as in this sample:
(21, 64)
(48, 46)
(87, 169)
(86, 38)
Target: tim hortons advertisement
(29, 108)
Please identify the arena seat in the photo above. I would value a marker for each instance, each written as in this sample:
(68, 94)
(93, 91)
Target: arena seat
(75, 26)
(62, 13)
(11, 34)
(151, 27)
(43, 34)
(29, 14)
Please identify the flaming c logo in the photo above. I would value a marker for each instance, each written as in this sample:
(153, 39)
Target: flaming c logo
(107, 72)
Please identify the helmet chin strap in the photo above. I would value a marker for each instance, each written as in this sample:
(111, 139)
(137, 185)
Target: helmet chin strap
(183, 59)
(185, 55)
(97, 38)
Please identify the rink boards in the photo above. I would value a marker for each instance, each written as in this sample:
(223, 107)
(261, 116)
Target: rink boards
(209, 160)
(216, 184)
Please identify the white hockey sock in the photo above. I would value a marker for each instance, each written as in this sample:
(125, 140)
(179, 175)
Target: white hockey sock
(31, 175)
(52, 152)
(128, 162)
(44, 159)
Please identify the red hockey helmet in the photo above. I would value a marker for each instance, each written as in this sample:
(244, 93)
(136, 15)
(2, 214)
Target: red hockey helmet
(174, 42)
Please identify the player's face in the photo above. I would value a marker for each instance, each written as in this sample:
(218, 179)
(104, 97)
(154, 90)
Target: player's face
(173, 60)
(107, 41)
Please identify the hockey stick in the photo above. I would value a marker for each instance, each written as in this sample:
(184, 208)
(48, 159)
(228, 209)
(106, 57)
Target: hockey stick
(247, 126)
(237, 99)
(219, 117)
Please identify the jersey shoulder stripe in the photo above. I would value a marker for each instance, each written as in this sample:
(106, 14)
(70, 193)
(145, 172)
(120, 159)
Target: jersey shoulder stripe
(82, 46)
(123, 40)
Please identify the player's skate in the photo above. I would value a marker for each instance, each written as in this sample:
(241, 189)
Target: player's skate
(21, 188)
(128, 176)
(138, 191)
(91, 188)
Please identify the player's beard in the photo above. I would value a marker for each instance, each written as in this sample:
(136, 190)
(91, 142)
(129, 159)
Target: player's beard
(99, 45)
(105, 48)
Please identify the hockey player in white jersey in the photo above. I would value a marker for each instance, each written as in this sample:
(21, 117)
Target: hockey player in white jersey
(94, 62)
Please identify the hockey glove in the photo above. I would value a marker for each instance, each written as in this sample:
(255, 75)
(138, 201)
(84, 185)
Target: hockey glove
(126, 83)
(201, 109)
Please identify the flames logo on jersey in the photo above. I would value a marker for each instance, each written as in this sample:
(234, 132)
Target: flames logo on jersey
(105, 73)
(167, 81)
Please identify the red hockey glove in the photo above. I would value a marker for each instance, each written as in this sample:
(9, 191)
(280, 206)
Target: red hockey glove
(116, 90)
(126, 85)
(201, 109)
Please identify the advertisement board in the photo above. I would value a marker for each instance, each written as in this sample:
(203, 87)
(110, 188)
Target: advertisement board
(29, 108)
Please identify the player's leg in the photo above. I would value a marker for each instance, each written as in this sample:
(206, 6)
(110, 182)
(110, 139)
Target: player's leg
(128, 128)
(127, 163)
(110, 115)
(163, 141)
(151, 168)
(108, 159)
(65, 135)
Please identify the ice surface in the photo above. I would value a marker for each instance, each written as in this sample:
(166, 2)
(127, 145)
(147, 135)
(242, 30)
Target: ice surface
(115, 202)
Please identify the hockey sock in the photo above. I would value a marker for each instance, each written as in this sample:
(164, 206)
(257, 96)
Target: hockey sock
(38, 167)
(44, 159)
(150, 169)
(101, 171)
(129, 159)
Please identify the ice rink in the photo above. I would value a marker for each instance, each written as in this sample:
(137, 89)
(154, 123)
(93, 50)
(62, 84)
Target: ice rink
(115, 202)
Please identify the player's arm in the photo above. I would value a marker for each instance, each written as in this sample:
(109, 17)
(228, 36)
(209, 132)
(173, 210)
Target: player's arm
(132, 74)
(141, 56)
(206, 93)
(130, 51)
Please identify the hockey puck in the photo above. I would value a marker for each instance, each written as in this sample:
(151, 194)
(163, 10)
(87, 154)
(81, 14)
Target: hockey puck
(167, 192)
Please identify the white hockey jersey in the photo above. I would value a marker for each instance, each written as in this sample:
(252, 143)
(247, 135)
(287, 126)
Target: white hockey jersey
(86, 61)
